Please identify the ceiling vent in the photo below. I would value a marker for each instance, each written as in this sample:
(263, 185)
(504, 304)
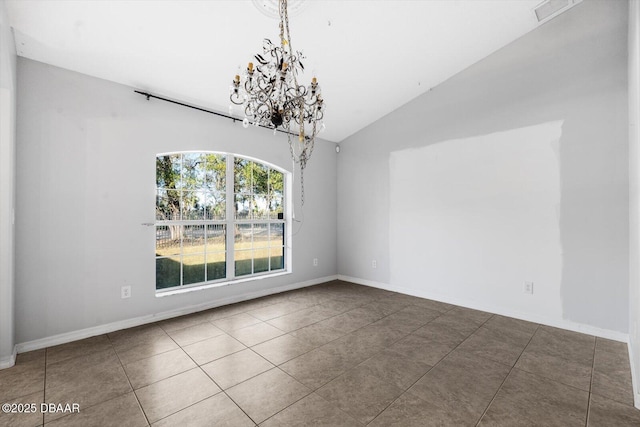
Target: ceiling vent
(549, 9)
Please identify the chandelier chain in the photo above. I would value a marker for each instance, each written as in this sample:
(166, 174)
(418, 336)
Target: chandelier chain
(270, 95)
(284, 32)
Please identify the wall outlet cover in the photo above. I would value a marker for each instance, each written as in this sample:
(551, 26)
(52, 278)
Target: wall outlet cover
(528, 288)
(125, 292)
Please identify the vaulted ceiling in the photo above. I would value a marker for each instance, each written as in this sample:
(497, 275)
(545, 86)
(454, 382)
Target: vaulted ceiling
(370, 57)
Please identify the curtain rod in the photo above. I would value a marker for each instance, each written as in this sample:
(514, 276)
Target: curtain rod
(235, 119)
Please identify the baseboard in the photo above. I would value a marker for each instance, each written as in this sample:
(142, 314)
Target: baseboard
(142, 320)
(9, 361)
(366, 282)
(557, 323)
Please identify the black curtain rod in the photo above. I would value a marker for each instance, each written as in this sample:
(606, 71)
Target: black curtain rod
(235, 119)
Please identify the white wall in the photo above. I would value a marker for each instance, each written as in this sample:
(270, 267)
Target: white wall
(85, 184)
(7, 187)
(634, 193)
(486, 207)
(573, 70)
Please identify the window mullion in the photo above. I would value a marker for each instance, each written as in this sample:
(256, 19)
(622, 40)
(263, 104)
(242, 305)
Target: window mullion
(205, 229)
(230, 218)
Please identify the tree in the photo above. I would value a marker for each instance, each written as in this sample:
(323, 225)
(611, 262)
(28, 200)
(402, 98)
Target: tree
(189, 186)
(258, 188)
(168, 196)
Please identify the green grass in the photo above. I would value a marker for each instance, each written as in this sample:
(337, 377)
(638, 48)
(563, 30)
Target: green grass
(168, 270)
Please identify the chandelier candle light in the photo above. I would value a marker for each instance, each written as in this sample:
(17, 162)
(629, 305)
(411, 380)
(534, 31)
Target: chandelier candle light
(271, 97)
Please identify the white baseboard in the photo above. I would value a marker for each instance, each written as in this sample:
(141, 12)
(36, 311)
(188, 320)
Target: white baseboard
(142, 320)
(557, 323)
(9, 361)
(366, 282)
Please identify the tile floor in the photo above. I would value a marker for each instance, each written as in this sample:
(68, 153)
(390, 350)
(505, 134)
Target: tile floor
(336, 354)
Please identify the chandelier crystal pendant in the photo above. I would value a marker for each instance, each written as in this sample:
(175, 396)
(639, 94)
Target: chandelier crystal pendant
(271, 97)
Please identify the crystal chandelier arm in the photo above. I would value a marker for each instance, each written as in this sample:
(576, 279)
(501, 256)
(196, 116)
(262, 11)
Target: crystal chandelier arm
(235, 98)
(295, 94)
(264, 84)
(312, 101)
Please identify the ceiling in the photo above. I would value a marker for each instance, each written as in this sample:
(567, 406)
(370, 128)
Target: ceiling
(370, 57)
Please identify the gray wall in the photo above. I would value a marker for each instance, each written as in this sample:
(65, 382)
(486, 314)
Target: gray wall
(7, 186)
(572, 69)
(85, 184)
(634, 191)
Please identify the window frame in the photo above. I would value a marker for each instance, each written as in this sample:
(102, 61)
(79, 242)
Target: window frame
(230, 223)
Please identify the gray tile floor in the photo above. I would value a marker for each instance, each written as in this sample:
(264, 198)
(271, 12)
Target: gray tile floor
(336, 354)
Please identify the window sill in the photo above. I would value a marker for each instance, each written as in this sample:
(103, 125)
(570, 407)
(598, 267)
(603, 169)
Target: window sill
(193, 288)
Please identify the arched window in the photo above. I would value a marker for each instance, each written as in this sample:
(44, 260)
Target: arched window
(219, 218)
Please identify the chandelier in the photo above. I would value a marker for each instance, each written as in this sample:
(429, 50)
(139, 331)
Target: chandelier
(271, 96)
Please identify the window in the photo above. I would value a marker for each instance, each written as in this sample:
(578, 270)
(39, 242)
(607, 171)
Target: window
(219, 217)
(259, 226)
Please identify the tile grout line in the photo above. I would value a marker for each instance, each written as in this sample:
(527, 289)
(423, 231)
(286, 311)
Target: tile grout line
(542, 376)
(315, 348)
(357, 329)
(335, 339)
(267, 323)
(207, 320)
(238, 406)
(44, 388)
(214, 381)
(98, 403)
(303, 397)
(436, 364)
(247, 348)
(129, 380)
(312, 391)
(292, 403)
(507, 377)
(230, 354)
(310, 324)
(318, 347)
(153, 355)
(286, 314)
(593, 365)
(376, 299)
(621, 401)
(282, 315)
(171, 376)
(295, 379)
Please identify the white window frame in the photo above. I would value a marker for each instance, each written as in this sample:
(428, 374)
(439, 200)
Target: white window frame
(229, 222)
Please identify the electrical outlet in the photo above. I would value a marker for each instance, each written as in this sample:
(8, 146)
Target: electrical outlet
(374, 264)
(125, 292)
(315, 262)
(528, 288)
